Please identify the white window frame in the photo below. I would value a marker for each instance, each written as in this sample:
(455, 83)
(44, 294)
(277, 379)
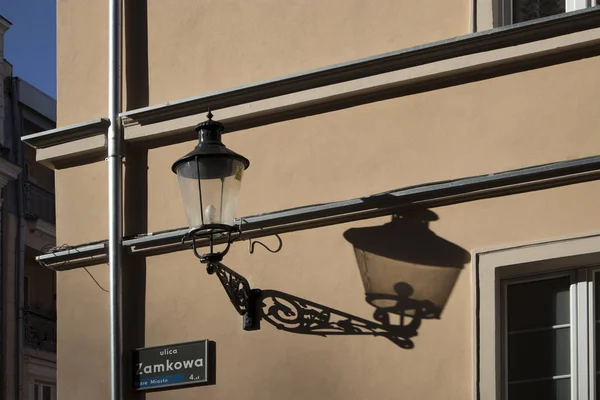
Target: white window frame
(490, 14)
(576, 325)
(491, 268)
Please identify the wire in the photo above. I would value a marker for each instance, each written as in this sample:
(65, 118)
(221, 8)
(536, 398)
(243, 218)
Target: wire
(94, 279)
(49, 248)
(53, 249)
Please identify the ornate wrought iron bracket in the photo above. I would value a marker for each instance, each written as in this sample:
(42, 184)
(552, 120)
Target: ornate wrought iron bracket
(236, 286)
(239, 292)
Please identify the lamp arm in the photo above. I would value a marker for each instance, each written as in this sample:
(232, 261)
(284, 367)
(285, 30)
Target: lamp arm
(235, 285)
(241, 295)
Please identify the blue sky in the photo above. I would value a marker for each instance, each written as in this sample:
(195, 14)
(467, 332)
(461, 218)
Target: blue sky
(30, 43)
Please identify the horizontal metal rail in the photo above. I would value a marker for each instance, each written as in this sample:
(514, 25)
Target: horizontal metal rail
(67, 134)
(428, 195)
(498, 38)
(506, 36)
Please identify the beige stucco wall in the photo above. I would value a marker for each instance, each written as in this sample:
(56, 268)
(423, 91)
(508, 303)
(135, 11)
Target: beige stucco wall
(236, 42)
(509, 122)
(246, 41)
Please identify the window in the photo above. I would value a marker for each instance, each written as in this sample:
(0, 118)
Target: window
(514, 11)
(541, 326)
(488, 14)
(43, 391)
(536, 326)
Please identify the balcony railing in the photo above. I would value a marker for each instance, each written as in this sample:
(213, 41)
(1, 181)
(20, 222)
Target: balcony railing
(40, 329)
(39, 203)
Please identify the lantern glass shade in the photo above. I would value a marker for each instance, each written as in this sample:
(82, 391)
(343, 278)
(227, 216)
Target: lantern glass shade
(404, 259)
(210, 187)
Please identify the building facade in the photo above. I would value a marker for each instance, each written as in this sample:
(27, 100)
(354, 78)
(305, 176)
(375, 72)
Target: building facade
(456, 142)
(27, 290)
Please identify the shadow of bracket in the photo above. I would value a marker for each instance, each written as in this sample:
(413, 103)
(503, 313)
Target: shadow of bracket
(296, 315)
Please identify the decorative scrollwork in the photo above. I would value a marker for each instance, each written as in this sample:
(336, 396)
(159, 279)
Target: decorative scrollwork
(297, 315)
(294, 314)
(235, 285)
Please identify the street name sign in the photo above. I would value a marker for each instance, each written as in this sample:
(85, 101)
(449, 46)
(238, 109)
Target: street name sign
(172, 366)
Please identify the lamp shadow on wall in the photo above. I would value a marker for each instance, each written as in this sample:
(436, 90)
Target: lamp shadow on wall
(408, 273)
(403, 261)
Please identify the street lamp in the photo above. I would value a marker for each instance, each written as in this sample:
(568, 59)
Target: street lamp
(210, 179)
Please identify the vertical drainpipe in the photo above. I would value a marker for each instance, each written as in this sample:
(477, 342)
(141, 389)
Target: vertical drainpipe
(20, 243)
(115, 196)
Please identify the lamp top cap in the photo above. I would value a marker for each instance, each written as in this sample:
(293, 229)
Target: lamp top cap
(210, 145)
(209, 124)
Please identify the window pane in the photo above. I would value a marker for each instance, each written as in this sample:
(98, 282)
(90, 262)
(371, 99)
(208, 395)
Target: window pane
(538, 339)
(539, 354)
(538, 304)
(526, 10)
(47, 393)
(559, 389)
